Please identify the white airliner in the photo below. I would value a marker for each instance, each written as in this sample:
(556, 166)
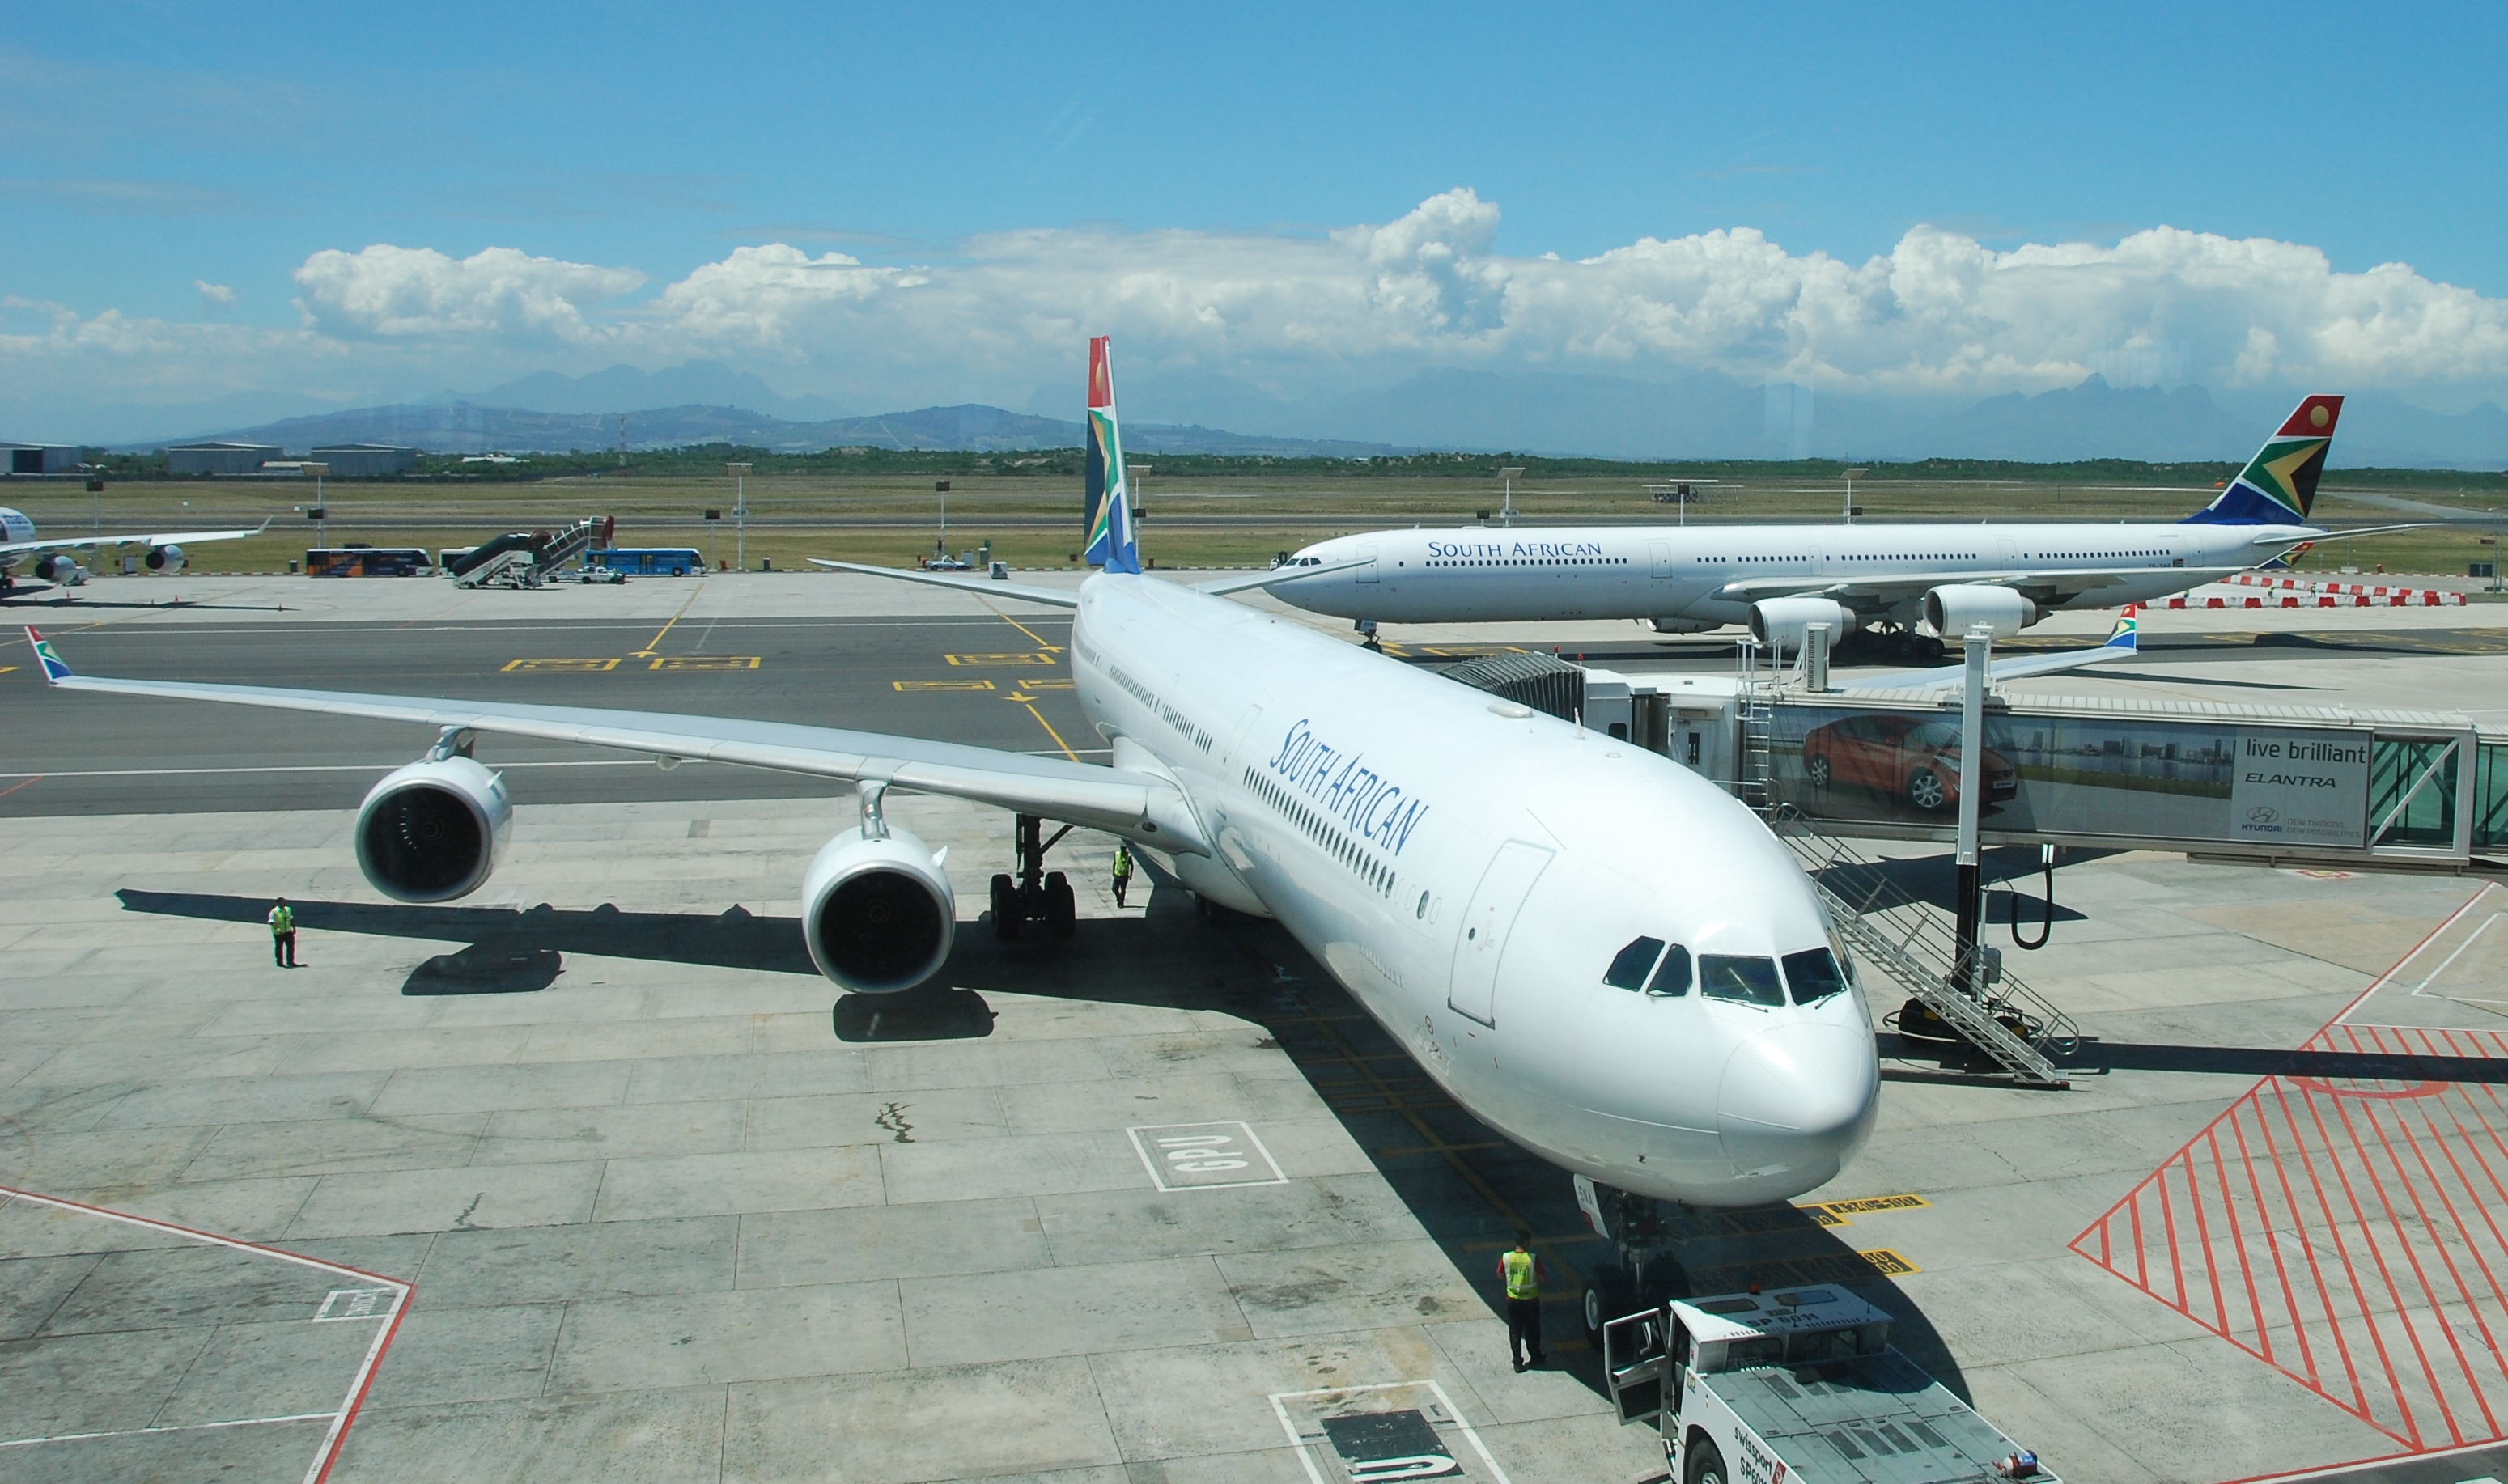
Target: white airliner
(1595, 952)
(1780, 579)
(54, 564)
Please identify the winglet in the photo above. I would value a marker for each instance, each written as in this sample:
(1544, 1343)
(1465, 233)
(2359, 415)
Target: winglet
(55, 672)
(2126, 636)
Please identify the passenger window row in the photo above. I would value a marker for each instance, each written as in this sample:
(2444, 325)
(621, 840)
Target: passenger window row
(1378, 876)
(1653, 967)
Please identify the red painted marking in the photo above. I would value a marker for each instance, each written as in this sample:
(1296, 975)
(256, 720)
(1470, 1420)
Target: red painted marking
(14, 786)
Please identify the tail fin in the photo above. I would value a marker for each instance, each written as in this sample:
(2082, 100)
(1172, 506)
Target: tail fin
(2278, 485)
(1111, 544)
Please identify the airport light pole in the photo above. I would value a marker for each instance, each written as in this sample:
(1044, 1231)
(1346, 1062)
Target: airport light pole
(940, 543)
(1852, 475)
(740, 512)
(1506, 511)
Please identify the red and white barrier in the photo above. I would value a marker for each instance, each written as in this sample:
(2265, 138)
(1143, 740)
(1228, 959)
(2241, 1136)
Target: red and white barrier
(2422, 599)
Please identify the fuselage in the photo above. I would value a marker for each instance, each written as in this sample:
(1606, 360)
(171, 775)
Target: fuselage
(1477, 574)
(1471, 871)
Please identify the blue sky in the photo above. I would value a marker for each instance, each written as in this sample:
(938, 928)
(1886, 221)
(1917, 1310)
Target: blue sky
(153, 150)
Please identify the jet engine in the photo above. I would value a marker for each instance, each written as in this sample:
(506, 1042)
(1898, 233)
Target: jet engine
(166, 559)
(1955, 609)
(1779, 622)
(1683, 625)
(54, 567)
(876, 909)
(433, 830)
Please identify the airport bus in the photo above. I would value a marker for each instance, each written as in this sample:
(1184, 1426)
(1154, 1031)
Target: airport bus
(647, 561)
(367, 562)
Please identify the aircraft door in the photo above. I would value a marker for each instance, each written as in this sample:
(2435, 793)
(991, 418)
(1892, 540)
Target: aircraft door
(1472, 987)
(1368, 573)
(1661, 553)
(1634, 1363)
(2009, 547)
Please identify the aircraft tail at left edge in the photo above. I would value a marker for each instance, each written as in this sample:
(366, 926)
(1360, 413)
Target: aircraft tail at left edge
(1113, 543)
(55, 672)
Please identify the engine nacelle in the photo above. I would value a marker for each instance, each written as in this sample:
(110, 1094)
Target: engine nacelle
(1955, 609)
(1683, 625)
(54, 567)
(166, 559)
(1779, 622)
(878, 913)
(434, 831)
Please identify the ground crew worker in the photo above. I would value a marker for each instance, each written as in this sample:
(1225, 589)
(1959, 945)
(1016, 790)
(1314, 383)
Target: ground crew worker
(282, 934)
(1521, 1272)
(1123, 872)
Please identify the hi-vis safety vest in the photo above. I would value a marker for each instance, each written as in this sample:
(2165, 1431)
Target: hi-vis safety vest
(282, 920)
(1520, 1281)
(1123, 862)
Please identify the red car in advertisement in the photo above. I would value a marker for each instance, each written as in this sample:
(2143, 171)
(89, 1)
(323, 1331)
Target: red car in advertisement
(1916, 759)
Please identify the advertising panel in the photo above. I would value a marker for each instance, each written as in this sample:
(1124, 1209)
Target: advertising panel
(2104, 776)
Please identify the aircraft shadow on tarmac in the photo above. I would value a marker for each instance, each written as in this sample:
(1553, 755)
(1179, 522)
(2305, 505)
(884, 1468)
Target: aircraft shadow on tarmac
(1468, 1188)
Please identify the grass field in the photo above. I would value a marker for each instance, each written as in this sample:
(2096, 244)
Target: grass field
(1194, 521)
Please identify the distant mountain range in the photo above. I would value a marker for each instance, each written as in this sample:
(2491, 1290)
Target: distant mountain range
(1702, 416)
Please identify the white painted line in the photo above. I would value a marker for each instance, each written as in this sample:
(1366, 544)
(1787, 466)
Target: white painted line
(243, 1422)
(1187, 1152)
(1307, 1457)
(2459, 953)
(2419, 948)
(358, 1384)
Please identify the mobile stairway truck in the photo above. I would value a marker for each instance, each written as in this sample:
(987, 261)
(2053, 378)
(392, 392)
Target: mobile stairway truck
(1800, 1385)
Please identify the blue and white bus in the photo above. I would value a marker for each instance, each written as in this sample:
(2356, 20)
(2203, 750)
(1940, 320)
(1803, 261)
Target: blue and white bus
(647, 561)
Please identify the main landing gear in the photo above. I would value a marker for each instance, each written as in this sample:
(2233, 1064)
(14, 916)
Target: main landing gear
(1645, 1274)
(1900, 646)
(1037, 895)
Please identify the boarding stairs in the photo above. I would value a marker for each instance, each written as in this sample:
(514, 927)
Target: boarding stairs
(504, 569)
(572, 543)
(1907, 939)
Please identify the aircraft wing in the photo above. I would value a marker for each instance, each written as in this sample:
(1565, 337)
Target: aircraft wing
(2044, 588)
(1274, 577)
(1141, 806)
(165, 538)
(2122, 643)
(982, 587)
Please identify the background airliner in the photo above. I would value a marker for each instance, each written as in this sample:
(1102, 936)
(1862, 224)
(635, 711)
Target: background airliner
(1781, 578)
(1595, 952)
(54, 564)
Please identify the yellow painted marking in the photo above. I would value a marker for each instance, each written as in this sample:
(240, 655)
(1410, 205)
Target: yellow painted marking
(1036, 685)
(1866, 1205)
(963, 685)
(1051, 732)
(646, 652)
(5, 669)
(999, 660)
(1049, 649)
(1019, 696)
(560, 664)
(707, 662)
(1888, 1263)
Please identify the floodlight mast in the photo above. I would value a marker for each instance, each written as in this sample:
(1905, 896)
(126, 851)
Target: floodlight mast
(739, 473)
(940, 543)
(1506, 511)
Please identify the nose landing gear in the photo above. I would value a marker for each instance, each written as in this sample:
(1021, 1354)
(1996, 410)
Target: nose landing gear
(1646, 1275)
(1038, 894)
(1367, 626)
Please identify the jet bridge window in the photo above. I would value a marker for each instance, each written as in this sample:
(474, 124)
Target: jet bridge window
(1813, 975)
(1749, 980)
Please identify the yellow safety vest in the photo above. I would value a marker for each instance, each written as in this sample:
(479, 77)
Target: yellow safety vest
(282, 920)
(1123, 863)
(1520, 1280)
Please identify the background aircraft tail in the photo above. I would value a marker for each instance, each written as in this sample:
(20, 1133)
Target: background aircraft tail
(1112, 543)
(2278, 485)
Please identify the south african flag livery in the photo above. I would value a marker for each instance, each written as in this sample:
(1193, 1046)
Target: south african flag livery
(1111, 544)
(53, 669)
(2278, 485)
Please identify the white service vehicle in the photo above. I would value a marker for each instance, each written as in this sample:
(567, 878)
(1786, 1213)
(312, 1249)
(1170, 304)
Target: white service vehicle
(1797, 1384)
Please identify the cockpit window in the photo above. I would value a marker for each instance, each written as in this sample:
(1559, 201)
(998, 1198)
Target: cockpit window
(1671, 977)
(1628, 970)
(1814, 976)
(1732, 976)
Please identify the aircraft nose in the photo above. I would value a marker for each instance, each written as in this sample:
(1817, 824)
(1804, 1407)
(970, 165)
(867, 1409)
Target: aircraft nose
(1797, 1102)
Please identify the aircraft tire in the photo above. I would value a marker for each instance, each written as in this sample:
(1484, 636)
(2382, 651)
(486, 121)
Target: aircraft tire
(1061, 913)
(1006, 909)
(1932, 649)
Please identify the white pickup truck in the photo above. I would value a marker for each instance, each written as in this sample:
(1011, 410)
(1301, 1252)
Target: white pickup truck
(1800, 1387)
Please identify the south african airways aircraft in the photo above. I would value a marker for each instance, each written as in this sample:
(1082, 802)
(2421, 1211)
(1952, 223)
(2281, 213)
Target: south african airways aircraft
(1780, 579)
(55, 564)
(1594, 950)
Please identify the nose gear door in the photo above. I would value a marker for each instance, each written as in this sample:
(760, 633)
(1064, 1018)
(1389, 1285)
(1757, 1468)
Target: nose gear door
(1472, 987)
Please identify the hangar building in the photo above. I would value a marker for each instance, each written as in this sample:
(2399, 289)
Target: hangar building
(365, 461)
(40, 458)
(219, 458)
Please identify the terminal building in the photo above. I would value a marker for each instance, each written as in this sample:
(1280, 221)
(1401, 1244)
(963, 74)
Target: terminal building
(365, 461)
(219, 458)
(40, 458)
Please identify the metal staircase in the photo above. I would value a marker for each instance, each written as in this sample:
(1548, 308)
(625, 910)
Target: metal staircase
(1908, 940)
(1757, 767)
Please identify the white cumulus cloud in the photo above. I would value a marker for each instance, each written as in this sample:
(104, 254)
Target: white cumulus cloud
(498, 294)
